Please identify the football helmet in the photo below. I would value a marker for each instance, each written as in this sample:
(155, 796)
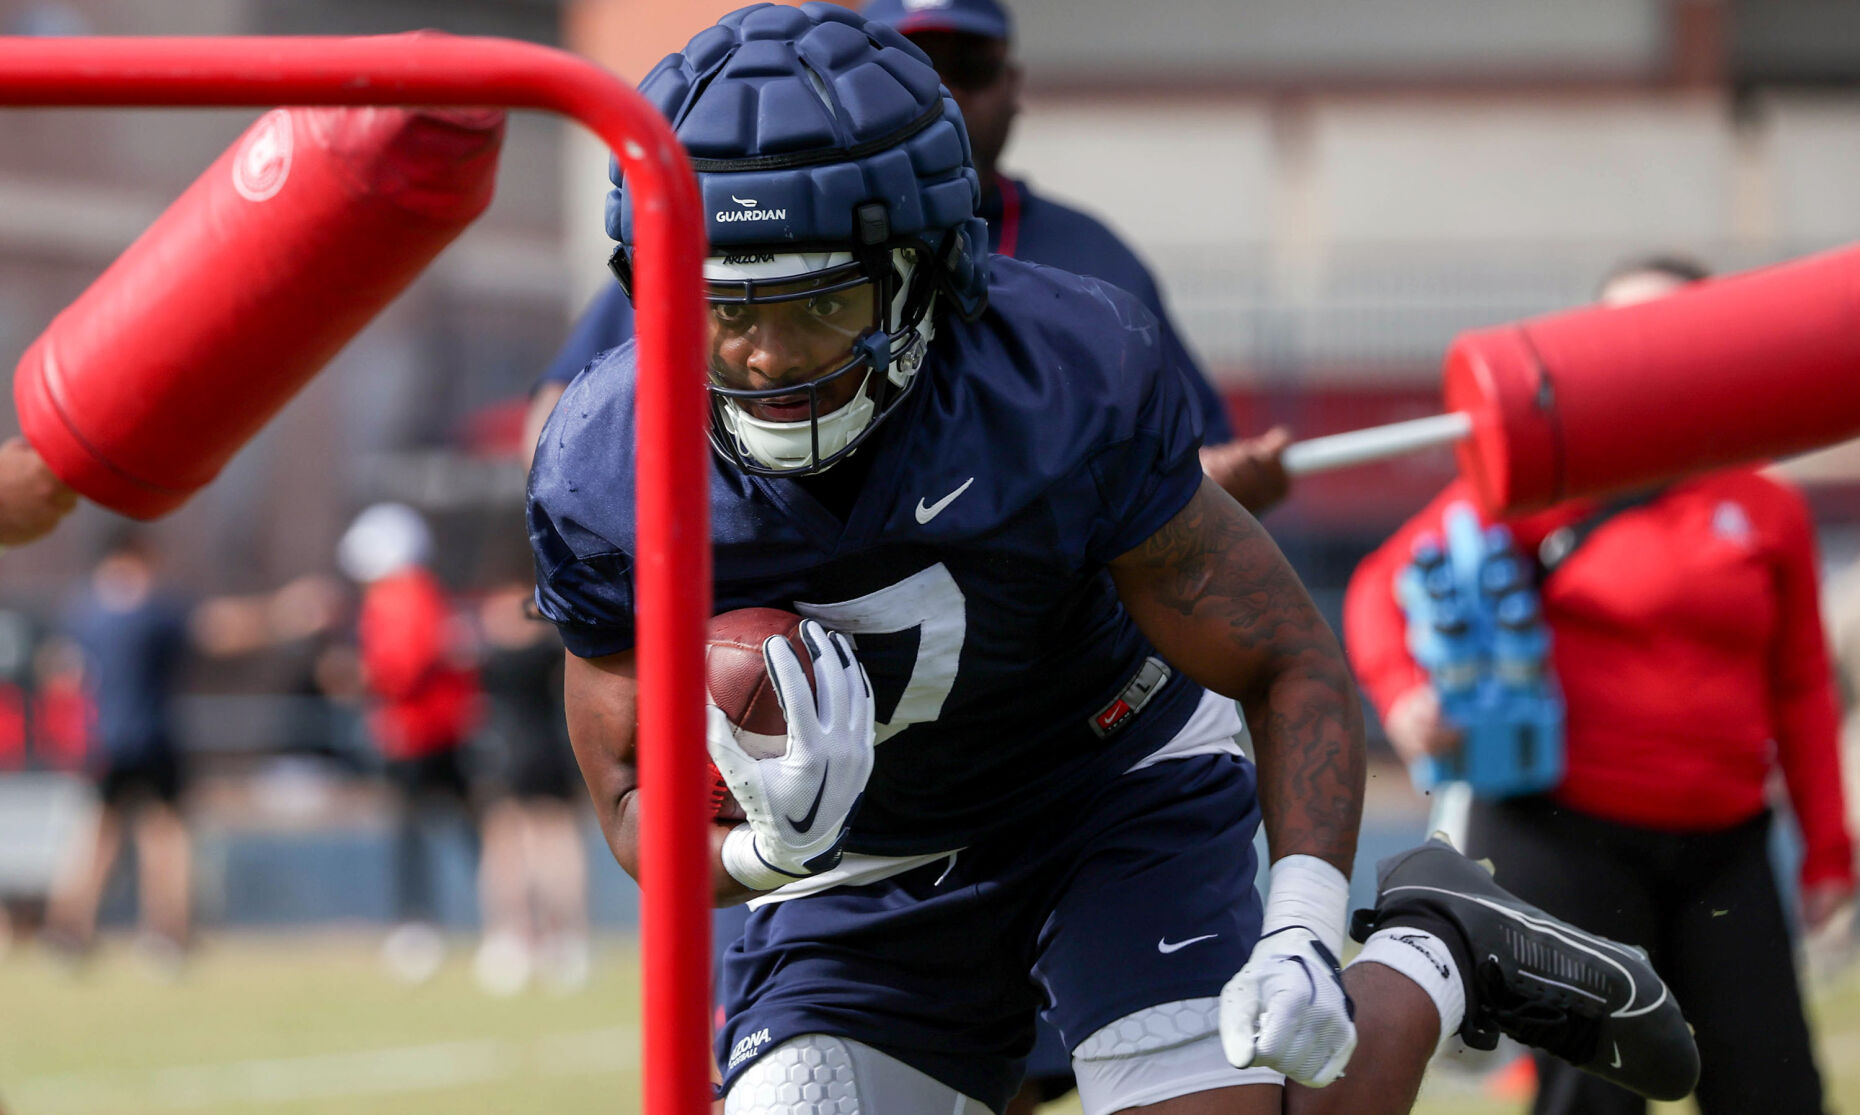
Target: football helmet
(840, 194)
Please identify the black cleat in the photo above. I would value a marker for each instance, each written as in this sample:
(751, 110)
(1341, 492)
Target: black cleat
(1593, 1002)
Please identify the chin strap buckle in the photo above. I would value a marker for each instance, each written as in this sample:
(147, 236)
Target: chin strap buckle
(876, 348)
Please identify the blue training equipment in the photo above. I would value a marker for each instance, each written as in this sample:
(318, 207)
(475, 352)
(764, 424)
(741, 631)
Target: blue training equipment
(1476, 626)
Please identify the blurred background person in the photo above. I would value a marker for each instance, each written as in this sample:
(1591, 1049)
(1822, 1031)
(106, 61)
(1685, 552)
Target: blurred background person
(606, 323)
(533, 877)
(63, 718)
(1833, 949)
(301, 634)
(45, 728)
(132, 633)
(423, 701)
(971, 44)
(1687, 639)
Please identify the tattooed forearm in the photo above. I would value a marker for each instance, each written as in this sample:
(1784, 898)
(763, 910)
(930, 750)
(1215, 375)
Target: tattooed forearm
(1216, 596)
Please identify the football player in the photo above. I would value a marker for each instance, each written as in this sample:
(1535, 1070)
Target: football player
(969, 43)
(1016, 784)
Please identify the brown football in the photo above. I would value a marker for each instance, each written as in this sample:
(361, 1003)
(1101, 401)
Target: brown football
(739, 684)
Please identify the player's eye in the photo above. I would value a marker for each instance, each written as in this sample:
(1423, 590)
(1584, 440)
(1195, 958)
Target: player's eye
(826, 305)
(729, 313)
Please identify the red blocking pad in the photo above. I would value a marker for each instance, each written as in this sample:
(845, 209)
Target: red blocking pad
(311, 223)
(1605, 399)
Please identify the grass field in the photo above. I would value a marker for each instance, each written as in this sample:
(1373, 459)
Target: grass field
(296, 1025)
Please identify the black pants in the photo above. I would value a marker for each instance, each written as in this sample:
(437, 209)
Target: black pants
(154, 774)
(1706, 908)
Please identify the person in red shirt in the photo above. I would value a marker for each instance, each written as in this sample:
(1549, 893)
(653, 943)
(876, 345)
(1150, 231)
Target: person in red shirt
(423, 708)
(1687, 641)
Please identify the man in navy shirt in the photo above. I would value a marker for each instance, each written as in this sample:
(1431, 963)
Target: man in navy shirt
(134, 639)
(1014, 785)
(968, 43)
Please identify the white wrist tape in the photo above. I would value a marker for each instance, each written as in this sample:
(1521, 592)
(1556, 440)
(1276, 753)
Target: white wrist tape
(747, 866)
(1309, 892)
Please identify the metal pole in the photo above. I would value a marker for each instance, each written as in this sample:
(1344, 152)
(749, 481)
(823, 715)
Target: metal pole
(1377, 443)
(673, 564)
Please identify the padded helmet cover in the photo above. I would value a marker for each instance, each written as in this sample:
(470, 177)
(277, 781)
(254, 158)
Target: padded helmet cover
(795, 119)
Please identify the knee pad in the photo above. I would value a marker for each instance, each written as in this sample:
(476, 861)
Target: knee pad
(1158, 1053)
(819, 1074)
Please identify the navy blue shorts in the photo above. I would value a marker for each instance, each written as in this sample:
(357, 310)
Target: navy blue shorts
(1139, 895)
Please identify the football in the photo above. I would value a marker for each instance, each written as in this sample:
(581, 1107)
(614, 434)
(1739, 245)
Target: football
(738, 681)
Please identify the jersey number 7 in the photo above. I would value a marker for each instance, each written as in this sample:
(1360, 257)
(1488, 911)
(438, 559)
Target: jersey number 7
(928, 601)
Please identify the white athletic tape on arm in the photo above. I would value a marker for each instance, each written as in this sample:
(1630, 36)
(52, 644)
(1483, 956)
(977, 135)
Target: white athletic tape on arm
(1309, 892)
(1426, 960)
(747, 866)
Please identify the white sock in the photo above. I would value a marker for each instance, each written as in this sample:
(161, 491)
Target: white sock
(1423, 958)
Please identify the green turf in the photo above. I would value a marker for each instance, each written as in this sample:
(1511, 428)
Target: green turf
(301, 1025)
(308, 1024)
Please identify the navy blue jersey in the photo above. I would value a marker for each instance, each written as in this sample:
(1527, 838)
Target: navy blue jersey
(1041, 441)
(1033, 228)
(132, 662)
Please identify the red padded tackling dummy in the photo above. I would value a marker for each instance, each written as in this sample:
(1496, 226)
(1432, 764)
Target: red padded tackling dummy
(1604, 399)
(312, 222)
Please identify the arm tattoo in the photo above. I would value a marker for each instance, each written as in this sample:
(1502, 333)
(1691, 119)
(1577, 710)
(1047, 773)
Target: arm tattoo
(1212, 590)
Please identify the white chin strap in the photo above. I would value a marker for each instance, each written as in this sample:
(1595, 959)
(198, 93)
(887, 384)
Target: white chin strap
(790, 445)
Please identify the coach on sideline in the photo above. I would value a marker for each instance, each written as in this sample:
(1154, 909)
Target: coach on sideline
(1687, 640)
(32, 499)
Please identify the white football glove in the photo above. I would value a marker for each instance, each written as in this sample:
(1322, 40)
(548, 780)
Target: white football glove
(799, 802)
(1287, 1009)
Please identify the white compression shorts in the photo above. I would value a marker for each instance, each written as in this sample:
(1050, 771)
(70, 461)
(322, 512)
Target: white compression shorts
(818, 1074)
(1146, 1057)
(1158, 1053)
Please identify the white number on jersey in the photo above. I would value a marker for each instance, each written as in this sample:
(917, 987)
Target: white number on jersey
(929, 601)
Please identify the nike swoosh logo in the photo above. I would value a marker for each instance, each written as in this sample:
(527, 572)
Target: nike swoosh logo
(1598, 947)
(1166, 947)
(807, 819)
(925, 514)
(1616, 1063)
(1414, 943)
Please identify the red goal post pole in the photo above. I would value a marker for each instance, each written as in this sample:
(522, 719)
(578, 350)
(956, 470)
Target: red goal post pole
(673, 564)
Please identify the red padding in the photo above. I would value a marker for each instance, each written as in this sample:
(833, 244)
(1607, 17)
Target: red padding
(1603, 399)
(139, 392)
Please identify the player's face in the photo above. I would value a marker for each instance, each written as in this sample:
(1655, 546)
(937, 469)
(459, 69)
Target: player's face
(986, 84)
(790, 337)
